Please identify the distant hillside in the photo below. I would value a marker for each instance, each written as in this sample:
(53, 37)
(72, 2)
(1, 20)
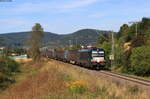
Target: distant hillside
(84, 37)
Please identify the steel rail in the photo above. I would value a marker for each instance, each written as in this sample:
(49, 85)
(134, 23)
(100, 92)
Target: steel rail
(129, 78)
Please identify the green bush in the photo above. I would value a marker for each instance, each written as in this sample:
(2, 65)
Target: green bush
(7, 68)
(140, 60)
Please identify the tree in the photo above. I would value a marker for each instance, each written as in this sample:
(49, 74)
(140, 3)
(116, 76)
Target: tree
(140, 60)
(144, 26)
(147, 37)
(119, 55)
(124, 30)
(19, 51)
(1, 41)
(35, 42)
(75, 47)
(138, 41)
(103, 38)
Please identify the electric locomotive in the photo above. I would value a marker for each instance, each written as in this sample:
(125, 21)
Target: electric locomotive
(92, 57)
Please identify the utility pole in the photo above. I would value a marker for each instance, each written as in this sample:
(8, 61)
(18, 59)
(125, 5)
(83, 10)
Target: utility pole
(76, 41)
(113, 49)
(136, 29)
(70, 44)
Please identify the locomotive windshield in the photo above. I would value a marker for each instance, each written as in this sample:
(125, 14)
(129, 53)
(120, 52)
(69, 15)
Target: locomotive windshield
(97, 54)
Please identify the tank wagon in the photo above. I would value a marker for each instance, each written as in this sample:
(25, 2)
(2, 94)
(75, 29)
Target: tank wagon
(90, 57)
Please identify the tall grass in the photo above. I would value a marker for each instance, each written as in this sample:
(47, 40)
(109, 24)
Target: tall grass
(56, 80)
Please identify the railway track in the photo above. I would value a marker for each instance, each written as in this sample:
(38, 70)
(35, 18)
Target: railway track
(130, 80)
(123, 79)
(127, 77)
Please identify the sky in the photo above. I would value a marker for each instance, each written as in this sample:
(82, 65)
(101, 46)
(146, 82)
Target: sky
(67, 16)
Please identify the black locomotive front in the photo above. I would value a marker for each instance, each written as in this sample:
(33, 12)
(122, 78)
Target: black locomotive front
(93, 57)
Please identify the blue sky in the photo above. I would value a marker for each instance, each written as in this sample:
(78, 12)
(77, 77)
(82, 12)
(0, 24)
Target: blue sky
(66, 16)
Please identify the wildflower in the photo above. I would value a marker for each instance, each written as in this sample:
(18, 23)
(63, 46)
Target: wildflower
(77, 86)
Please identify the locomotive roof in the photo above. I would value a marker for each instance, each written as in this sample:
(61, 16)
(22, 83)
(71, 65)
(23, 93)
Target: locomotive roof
(91, 49)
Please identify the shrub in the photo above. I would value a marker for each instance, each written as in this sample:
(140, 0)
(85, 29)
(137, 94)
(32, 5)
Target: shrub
(98, 91)
(80, 89)
(66, 77)
(140, 60)
(7, 68)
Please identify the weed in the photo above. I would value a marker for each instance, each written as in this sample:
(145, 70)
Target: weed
(91, 94)
(114, 96)
(66, 77)
(133, 89)
(79, 87)
(102, 90)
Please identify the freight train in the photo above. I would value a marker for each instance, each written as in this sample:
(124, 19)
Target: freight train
(90, 57)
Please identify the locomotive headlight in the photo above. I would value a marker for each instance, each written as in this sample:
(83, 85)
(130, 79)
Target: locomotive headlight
(92, 60)
(98, 61)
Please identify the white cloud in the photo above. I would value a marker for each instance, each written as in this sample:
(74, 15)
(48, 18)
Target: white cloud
(49, 6)
(29, 7)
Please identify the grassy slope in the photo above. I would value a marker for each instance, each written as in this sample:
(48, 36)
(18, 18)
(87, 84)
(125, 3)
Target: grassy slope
(57, 80)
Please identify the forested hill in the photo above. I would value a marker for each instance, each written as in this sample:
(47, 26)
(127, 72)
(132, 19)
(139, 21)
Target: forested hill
(85, 36)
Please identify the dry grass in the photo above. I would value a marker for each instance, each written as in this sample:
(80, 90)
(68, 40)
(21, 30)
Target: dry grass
(52, 79)
(36, 83)
(36, 87)
(100, 88)
(24, 60)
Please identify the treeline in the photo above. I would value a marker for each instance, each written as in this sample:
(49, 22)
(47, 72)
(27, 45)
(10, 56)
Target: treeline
(132, 48)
